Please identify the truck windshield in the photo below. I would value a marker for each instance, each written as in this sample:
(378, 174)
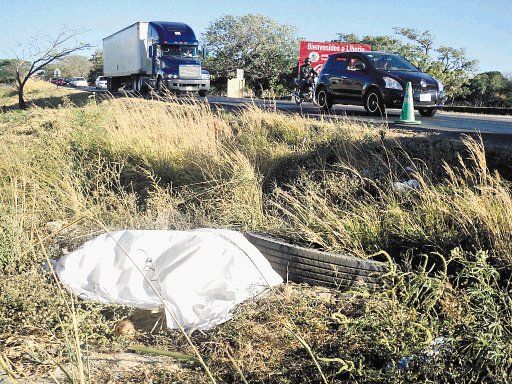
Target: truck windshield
(180, 51)
(391, 62)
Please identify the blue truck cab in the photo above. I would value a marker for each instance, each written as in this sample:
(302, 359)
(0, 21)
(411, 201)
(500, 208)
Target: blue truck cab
(174, 51)
(157, 54)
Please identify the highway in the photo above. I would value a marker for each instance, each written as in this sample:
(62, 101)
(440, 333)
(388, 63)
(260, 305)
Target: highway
(442, 121)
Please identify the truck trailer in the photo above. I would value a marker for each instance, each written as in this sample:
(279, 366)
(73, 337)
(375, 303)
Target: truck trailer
(155, 54)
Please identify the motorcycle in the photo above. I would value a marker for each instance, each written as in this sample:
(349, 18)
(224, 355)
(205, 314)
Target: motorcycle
(304, 95)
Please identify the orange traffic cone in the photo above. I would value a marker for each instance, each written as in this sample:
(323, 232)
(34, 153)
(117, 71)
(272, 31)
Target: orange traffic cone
(407, 115)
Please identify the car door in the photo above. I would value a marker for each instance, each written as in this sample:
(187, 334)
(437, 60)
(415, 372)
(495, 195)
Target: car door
(336, 75)
(356, 77)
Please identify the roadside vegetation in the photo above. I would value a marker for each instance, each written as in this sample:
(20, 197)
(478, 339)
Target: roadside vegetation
(41, 94)
(443, 314)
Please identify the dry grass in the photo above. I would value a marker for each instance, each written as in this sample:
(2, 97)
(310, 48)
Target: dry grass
(350, 209)
(160, 132)
(176, 164)
(39, 93)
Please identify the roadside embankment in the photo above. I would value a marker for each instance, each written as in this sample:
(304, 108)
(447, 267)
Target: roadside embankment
(479, 110)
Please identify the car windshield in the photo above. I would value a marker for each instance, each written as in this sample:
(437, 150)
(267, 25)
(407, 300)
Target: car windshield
(180, 51)
(387, 62)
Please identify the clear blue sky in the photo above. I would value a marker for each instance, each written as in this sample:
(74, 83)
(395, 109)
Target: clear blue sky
(483, 27)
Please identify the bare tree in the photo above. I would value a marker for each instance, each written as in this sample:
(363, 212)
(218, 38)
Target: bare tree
(34, 55)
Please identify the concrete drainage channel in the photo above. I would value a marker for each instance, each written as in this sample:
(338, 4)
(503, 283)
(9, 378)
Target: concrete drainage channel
(305, 265)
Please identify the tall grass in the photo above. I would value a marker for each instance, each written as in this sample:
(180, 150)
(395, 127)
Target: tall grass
(178, 164)
(40, 93)
(348, 211)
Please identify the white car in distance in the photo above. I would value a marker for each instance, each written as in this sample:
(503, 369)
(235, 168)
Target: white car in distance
(101, 82)
(78, 82)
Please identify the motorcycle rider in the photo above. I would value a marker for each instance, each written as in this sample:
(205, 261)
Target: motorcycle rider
(306, 76)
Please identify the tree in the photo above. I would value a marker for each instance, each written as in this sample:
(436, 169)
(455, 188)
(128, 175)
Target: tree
(7, 74)
(96, 66)
(38, 52)
(447, 64)
(490, 89)
(74, 66)
(454, 69)
(378, 43)
(260, 46)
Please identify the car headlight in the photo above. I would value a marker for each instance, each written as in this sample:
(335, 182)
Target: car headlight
(392, 83)
(440, 85)
(170, 76)
(205, 76)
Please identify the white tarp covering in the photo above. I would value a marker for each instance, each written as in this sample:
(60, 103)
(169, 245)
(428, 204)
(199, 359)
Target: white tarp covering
(201, 274)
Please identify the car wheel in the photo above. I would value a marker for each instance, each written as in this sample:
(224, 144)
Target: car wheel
(324, 100)
(306, 265)
(374, 103)
(427, 112)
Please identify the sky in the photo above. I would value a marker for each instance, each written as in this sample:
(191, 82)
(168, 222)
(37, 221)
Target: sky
(483, 27)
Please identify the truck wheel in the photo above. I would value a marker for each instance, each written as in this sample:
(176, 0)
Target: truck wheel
(112, 85)
(140, 86)
(160, 86)
(324, 99)
(305, 265)
(374, 103)
(144, 88)
(136, 83)
(203, 93)
(427, 112)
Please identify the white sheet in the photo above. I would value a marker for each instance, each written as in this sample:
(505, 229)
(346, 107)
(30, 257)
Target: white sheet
(201, 274)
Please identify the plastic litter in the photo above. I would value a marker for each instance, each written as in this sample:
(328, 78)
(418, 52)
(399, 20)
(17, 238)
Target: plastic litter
(406, 185)
(437, 345)
(403, 363)
(200, 274)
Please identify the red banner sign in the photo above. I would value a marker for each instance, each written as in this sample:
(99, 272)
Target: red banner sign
(318, 52)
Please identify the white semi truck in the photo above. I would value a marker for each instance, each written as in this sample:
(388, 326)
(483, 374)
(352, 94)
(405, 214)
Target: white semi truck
(154, 54)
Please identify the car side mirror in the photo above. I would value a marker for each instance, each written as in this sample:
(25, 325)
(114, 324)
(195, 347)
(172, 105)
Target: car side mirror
(359, 67)
(151, 51)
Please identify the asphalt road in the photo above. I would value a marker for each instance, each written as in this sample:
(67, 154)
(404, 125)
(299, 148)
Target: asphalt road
(443, 121)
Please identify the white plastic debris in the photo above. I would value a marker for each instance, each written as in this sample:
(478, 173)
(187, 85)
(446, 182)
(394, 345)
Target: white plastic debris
(200, 274)
(436, 346)
(406, 185)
